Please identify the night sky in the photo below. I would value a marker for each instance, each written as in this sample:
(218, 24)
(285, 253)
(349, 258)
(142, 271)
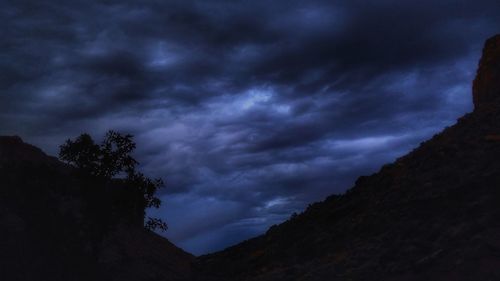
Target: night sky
(249, 110)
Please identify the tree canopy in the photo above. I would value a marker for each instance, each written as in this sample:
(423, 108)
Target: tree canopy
(111, 160)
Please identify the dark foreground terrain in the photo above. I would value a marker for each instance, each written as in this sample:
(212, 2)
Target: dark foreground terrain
(434, 214)
(53, 227)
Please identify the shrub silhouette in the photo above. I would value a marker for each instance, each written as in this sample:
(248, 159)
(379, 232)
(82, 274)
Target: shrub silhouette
(110, 166)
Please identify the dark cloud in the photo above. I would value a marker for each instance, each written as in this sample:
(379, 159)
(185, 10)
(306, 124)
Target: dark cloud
(250, 110)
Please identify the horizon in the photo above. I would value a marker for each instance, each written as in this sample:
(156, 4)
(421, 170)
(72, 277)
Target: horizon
(248, 111)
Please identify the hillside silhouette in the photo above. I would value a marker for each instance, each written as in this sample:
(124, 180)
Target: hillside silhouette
(55, 224)
(433, 214)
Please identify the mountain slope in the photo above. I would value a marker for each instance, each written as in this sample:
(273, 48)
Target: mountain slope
(433, 214)
(49, 229)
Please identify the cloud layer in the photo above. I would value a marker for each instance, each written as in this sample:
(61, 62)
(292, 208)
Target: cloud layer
(249, 110)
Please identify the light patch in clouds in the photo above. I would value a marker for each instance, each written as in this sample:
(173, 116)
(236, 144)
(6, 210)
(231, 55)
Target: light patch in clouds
(255, 97)
(162, 55)
(366, 143)
(276, 202)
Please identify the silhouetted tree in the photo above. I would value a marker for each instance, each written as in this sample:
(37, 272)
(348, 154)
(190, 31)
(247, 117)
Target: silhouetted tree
(112, 160)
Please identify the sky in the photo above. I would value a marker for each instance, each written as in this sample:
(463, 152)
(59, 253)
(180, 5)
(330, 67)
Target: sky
(249, 110)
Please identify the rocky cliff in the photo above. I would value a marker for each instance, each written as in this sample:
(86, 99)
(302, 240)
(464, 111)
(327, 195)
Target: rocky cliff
(486, 87)
(431, 215)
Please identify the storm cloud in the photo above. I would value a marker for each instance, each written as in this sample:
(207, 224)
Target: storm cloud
(249, 110)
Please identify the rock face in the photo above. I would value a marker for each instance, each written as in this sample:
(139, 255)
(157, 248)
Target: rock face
(431, 215)
(486, 88)
(48, 230)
